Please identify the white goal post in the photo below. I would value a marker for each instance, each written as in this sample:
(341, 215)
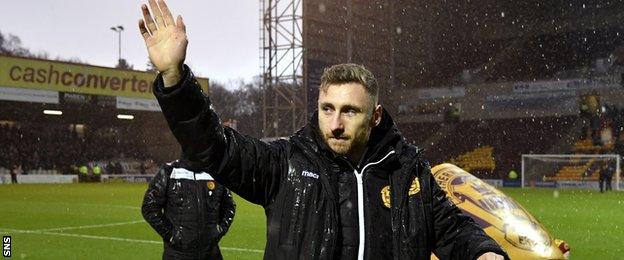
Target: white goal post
(570, 170)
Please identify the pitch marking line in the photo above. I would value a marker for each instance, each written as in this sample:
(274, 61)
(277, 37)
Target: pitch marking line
(91, 205)
(114, 238)
(91, 226)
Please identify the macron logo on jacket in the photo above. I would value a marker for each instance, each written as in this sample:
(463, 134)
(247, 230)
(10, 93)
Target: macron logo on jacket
(309, 174)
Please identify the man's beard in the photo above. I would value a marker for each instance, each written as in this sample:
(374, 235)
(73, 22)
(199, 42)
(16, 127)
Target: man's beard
(346, 145)
(340, 146)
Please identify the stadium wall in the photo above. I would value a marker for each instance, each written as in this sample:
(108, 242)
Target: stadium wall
(505, 100)
(40, 178)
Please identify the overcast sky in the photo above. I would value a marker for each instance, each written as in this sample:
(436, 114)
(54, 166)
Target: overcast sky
(223, 35)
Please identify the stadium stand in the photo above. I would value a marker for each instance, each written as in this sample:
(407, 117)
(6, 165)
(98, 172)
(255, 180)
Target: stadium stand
(102, 116)
(478, 160)
(577, 170)
(505, 140)
(420, 132)
(45, 148)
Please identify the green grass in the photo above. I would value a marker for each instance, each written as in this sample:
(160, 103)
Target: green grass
(45, 206)
(591, 222)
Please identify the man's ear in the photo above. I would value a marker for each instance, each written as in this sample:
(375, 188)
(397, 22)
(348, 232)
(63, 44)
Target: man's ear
(376, 118)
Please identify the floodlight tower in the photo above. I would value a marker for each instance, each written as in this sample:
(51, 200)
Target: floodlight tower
(281, 62)
(118, 29)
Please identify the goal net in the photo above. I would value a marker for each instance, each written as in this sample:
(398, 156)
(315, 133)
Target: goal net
(570, 170)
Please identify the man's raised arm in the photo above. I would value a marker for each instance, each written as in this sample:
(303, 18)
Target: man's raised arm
(245, 165)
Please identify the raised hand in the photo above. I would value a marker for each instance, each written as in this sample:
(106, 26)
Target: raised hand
(165, 40)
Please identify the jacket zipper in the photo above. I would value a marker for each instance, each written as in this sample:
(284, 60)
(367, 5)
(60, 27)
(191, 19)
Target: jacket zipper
(360, 200)
(199, 208)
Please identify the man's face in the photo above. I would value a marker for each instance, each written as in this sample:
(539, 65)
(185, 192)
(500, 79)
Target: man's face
(346, 118)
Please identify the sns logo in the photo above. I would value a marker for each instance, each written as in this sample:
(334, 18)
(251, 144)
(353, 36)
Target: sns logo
(6, 246)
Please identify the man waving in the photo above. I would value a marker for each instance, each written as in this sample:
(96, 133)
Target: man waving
(345, 186)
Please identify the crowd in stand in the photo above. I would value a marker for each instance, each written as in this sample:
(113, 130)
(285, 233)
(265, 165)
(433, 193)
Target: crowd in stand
(60, 147)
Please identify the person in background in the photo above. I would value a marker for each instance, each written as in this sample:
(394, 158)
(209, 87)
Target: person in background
(110, 168)
(83, 173)
(605, 177)
(15, 169)
(189, 210)
(142, 168)
(97, 173)
(118, 168)
(513, 175)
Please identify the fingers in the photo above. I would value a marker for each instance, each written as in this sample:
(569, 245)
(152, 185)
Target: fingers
(490, 255)
(180, 24)
(147, 17)
(144, 32)
(166, 13)
(157, 14)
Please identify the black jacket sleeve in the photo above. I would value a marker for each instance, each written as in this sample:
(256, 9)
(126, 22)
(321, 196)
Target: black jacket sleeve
(247, 166)
(154, 202)
(457, 235)
(226, 211)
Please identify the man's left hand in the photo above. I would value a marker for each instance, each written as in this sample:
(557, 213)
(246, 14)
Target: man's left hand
(491, 256)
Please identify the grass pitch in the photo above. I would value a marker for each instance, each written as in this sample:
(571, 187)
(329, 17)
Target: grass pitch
(103, 221)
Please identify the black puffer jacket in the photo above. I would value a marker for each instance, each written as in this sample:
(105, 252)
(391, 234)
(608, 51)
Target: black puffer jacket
(296, 181)
(189, 210)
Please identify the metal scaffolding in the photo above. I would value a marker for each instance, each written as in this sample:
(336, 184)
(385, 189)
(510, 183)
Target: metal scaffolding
(281, 61)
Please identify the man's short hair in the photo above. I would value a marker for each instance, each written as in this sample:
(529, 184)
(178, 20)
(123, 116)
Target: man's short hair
(350, 73)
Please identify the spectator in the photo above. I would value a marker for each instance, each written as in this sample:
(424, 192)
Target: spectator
(142, 168)
(14, 170)
(110, 168)
(118, 168)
